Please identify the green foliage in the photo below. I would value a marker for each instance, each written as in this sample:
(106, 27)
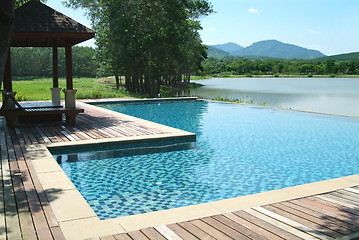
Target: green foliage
(149, 42)
(38, 62)
(230, 66)
(244, 100)
(342, 57)
(39, 89)
(19, 3)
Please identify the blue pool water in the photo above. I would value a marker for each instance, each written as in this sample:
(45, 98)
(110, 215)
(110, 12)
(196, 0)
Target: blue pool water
(240, 150)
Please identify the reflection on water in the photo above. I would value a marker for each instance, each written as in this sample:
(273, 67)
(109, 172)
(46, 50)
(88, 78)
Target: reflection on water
(328, 95)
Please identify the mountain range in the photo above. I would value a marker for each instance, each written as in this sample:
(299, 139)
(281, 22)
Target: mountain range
(263, 50)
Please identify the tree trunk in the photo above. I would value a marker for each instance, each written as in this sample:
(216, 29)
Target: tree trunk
(6, 21)
(117, 81)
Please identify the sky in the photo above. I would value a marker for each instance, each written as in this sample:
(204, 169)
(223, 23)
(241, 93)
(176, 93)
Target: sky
(329, 26)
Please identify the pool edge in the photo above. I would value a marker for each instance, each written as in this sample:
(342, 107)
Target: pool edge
(73, 212)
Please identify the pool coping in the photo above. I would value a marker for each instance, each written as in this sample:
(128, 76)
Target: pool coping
(78, 221)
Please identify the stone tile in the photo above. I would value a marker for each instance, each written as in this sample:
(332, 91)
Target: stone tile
(165, 217)
(259, 199)
(69, 205)
(90, 228)
(55, 180)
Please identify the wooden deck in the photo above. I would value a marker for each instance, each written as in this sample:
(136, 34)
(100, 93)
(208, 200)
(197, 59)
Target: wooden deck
(25, 212)
(333, 215)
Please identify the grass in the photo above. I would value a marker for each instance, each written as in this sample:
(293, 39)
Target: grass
(244, 100)
(88, 88)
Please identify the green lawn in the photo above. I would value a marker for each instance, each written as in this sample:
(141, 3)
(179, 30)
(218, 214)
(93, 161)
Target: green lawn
(39, 89)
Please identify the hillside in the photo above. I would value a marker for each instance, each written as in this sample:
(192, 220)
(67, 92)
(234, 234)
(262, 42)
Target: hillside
(342, 57)
(269, 49)
(229, 47)
(216, 53)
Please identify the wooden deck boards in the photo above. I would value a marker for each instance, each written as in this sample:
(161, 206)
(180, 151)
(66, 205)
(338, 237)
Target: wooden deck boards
(305, 218)
(25, 212)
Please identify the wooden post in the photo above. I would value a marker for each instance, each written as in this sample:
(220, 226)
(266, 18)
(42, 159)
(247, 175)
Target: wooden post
(7, 74)
(55, 65)
(68, 53)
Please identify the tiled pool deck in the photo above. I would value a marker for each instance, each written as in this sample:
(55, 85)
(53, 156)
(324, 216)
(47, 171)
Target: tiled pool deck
(38, 201)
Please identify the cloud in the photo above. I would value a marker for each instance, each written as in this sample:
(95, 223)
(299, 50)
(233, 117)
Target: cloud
(253, 10)
(311, 31)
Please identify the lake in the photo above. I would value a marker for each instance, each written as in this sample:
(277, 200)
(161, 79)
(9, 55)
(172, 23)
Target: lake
(327, 95)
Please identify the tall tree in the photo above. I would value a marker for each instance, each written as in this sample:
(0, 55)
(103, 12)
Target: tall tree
(148, 41)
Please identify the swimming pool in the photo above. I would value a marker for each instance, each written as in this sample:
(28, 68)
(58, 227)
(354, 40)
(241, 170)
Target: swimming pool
(240, 150)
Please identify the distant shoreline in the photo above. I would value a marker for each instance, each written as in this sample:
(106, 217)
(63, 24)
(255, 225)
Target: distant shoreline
(273, 76)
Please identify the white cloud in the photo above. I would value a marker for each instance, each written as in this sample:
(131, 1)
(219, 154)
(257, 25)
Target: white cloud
(253, 10)
(311, 31)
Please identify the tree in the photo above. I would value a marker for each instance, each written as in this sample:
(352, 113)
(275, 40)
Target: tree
(149, 42)
(7, 8)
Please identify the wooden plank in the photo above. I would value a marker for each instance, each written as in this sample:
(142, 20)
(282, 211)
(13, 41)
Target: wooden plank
(43, 135)
(323, 213)
(25, 137)
(224, 228)
(337, 200)
(167, 233)
(353, 197)
(37, 135)
(284, 226)
(80, 133)
(70, 133)
(38, 216)
(56, 131)
(11, 217)
(12, 224)
(295, 224)
(108, 238)
(152, 233)
(321, 225)
(344, 210)
(53, 137)
(3, 155)
(122, 236)
(137, 235)
(264, 228)
(353, 190)
(210, 230)
(27, 227)
(195, 231)
(57, 233)
(181, 232)
(30, 135)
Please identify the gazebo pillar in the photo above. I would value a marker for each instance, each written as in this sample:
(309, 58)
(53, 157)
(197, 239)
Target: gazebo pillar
(70, 100)
(7, 74)
(8, 83)
(55, 90)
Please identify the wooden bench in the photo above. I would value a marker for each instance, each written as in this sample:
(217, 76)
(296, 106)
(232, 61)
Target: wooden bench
(12, 115)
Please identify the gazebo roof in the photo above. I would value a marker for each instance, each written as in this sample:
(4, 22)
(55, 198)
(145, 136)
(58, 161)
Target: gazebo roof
(37, 25)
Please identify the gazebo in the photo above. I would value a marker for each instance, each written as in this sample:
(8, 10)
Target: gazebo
(37, 25)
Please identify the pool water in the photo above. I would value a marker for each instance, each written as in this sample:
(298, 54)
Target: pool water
(240, 150)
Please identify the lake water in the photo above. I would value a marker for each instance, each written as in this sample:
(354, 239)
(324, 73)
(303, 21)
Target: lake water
(327, 95)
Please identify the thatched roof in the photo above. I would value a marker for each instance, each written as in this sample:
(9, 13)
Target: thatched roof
(37, 25)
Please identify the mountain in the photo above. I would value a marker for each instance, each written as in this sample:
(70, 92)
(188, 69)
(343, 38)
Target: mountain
(272, 49)
(229, 47)
(216, 52)
(342, 57)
